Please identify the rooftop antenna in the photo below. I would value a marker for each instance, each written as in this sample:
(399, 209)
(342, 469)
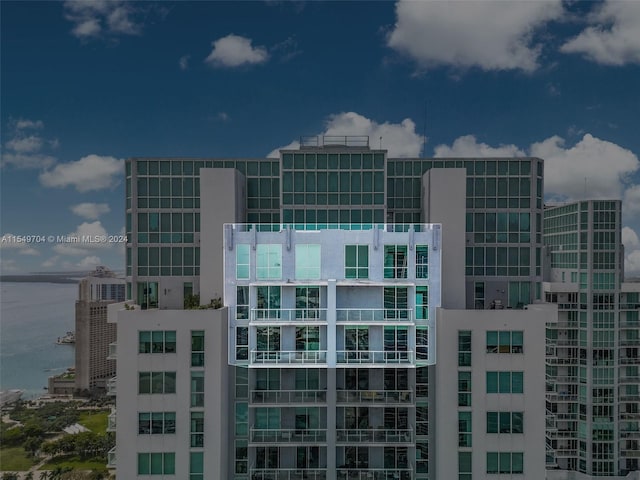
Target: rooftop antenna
(424, 132)
(380, 143)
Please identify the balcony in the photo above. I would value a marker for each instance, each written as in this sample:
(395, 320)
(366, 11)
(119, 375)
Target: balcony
(629, 397)
(630, 415)
(567, 342)
(564, 453)
(631, 453)
(111, 386)
(111, 458)
(387, 397)
(374, 473)
(288, 474)
(630, 434)
(561, 397)
(629, 342)
(113, 351)
(263, 397)
(375, 357)
(284, 435)
(265, 316)
(630, 379)
(374, 435)
(111, 421)
(289, 357)
(632, 324)
(629, 361)
(374, 315)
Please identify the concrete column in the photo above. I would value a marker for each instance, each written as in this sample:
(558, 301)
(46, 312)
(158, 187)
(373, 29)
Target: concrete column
(331, 380)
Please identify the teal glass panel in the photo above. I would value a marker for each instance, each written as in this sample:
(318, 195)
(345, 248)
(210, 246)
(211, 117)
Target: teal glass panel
(492, 462)
(196, 462)
(268, 261)
(517, 382)
(242, 262)
(144, 460)
(492, 382)
(307, 262)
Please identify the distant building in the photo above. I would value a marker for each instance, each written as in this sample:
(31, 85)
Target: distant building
(593, 362)
(93, 333)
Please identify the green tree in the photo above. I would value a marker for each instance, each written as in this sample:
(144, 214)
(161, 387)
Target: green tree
(32, 445)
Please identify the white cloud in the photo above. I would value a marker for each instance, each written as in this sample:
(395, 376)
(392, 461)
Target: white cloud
(93, 172)
(50, 262)
(80, 242)
(89, 262)
(632, 252)
(25, 161)
(90, 211)
(26, 150)
(29, 144)
(613, 37)
(630, 238)
(235, 51)
(184, 62)
(631, 201)
(400, 139)
(23, 124)
(468, 146)
(95, 18)
(490, 35)
(605, 166)
(9, 241)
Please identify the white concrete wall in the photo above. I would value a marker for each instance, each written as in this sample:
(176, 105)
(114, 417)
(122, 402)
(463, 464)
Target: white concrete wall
(531, 402)
(443, 201)
(129, 403)
(222, 200)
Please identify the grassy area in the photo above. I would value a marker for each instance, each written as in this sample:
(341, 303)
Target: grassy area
(94, 421)
(14, 459)
(74, 461)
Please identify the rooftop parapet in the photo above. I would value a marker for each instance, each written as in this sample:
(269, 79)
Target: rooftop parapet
(334, 141)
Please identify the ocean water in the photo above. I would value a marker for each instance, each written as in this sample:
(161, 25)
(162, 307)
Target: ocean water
(32, 317)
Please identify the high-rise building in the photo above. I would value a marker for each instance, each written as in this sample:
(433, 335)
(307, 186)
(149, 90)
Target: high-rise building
(93, 333)
(593, 395)
(307, 363)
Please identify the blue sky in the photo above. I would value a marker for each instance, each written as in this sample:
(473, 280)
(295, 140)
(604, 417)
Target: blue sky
(85, 85)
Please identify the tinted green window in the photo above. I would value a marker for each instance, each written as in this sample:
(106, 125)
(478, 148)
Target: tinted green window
(307, 262)
(269, 261)
(356, 261)
(242, 262)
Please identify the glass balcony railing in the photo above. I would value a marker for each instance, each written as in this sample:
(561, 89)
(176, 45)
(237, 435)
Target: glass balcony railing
(374, 435)
(629, 361)
(368, 315)
(288, 474)
(111, 458)
(284, 435)
(111, 386)
(375, 396)
(374, 473)
(288, 396)
(111, 421)
(367, 357)
(288, 357)
(113, 351)
(629, 379)
(264, 315)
